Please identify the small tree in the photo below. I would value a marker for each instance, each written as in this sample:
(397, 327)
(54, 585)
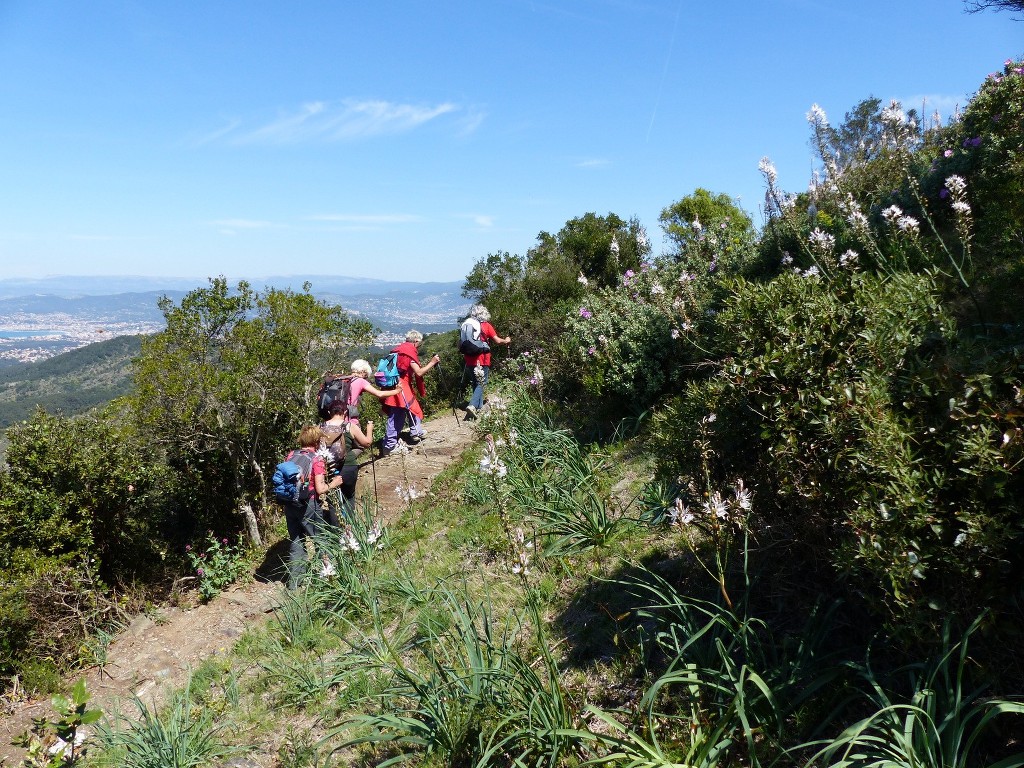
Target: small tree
(230, 379)
(705, 226)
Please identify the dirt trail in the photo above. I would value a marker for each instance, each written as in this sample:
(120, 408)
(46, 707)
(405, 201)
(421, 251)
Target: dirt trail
(151, 658)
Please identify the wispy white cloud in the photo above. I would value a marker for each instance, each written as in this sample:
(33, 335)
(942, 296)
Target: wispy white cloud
(593, 162)
(472, 120)
(244, 223)
(481, 220)
(339, 121)
(366, 218)
(217, 133)
(230, 227)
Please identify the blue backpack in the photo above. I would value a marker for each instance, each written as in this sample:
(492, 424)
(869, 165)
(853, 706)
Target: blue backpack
(293, 478)
(387, 371)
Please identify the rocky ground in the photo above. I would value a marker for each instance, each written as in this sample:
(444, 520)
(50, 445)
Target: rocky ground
(155, 654)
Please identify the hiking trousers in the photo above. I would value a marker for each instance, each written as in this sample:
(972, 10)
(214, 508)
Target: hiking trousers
(305, 521)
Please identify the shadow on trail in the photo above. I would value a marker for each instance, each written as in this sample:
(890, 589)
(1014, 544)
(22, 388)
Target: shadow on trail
(275, 564)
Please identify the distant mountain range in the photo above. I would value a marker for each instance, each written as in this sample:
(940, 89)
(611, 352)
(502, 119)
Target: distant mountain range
(73, 286)
(42, 317)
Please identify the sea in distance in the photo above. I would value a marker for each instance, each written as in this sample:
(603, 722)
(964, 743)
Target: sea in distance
(35, 333)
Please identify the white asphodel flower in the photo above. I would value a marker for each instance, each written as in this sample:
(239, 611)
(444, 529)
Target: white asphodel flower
(956, 185)
(892, 213)
(716, 506)
(908, 224)
(816, 116)
(744, 496)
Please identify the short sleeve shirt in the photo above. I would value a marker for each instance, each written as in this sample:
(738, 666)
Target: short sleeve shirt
(488, 334)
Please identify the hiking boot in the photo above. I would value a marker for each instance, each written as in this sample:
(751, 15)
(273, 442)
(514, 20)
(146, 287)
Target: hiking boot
(470, 413)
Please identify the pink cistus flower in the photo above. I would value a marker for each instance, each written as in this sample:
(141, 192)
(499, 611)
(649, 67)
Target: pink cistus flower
(585, 313)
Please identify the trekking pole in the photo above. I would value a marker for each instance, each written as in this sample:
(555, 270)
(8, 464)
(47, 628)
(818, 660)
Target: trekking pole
(451, 399)
(373, 469)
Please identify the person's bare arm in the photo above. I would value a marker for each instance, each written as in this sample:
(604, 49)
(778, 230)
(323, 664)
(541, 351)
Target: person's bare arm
(360, 438)
(419, 370)
(382, 392)
(322, 486)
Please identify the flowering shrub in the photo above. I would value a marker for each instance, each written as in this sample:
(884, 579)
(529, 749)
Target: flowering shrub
(626, 344)
(217, 566)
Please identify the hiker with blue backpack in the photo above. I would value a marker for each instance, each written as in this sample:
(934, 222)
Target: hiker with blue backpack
(406, 360)
(476, 334)
(361, 373)
(300, 494)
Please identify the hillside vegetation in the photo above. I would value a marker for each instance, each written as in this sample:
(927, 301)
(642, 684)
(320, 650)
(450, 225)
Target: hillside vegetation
(751, 502)
(70, 383)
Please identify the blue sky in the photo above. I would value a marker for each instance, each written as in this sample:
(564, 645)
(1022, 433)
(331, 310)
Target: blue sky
(406, 140)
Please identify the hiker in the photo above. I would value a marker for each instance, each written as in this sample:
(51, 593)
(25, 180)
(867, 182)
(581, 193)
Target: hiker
(410, 381)
(307, 519)
(361, 373)
(342, 426)
(478, 366)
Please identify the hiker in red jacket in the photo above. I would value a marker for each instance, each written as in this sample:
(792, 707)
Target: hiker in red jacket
(478, 367)
(410, 382)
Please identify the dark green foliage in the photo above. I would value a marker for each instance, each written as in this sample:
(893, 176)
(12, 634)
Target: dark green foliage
(230, 381)
(986, 147)
(87, 487)
(528, 296)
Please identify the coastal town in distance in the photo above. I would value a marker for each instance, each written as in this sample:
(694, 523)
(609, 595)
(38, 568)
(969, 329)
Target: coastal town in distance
(38, 327)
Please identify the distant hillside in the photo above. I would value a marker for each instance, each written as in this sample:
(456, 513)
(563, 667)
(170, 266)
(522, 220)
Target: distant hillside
(69, 383)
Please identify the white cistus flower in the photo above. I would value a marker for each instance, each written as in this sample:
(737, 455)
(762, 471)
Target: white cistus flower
(582, 280)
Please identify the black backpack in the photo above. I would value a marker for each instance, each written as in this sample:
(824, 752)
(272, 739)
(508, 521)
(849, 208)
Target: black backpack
(335, 388)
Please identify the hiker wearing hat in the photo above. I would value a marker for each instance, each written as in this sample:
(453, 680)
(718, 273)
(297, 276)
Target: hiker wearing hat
(478, 365)
(410, 381)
